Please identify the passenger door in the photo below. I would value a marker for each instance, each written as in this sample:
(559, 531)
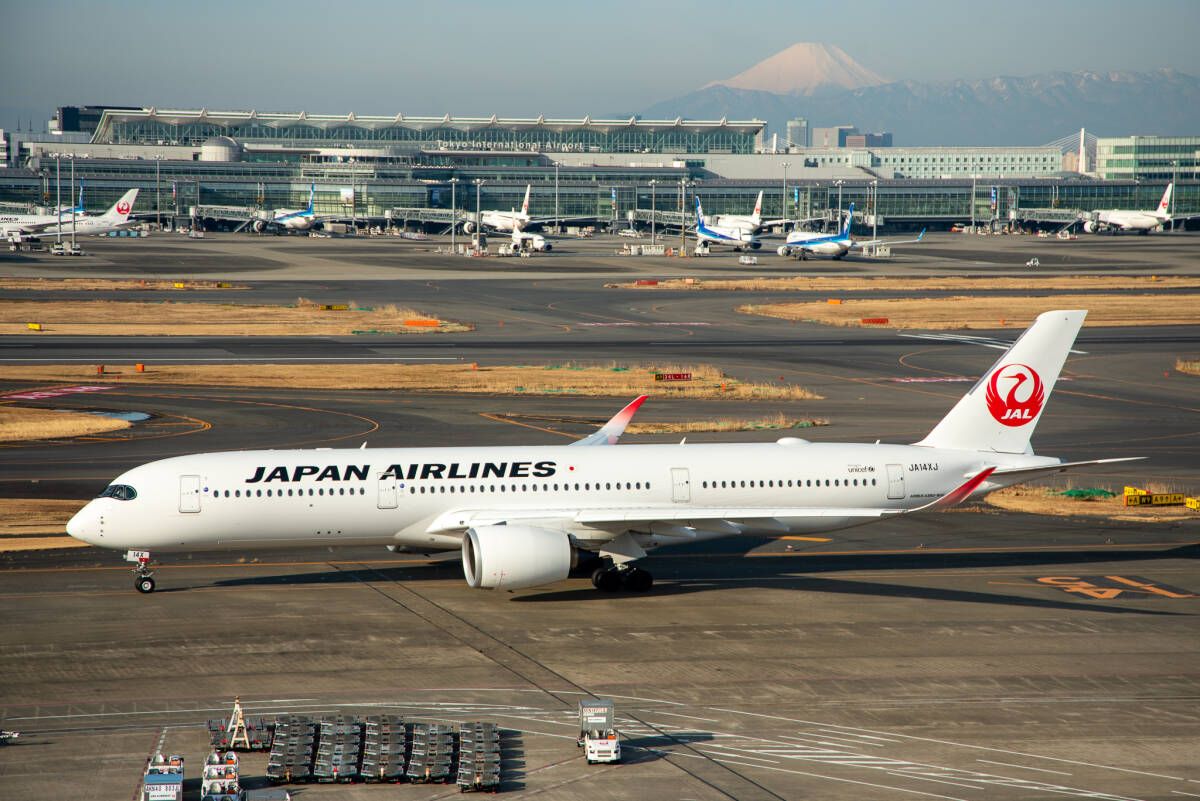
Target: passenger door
(895, 474)
(388, 493)
(189, 494)
(681, 485)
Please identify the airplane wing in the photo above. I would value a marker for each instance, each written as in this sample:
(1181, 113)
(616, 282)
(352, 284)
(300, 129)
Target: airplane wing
(879, 242)
(610, 529)
(610, 432)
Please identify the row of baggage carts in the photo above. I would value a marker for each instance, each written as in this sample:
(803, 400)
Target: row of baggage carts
(385, 748)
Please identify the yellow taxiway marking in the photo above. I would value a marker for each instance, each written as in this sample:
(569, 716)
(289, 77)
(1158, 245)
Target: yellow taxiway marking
(806, 539)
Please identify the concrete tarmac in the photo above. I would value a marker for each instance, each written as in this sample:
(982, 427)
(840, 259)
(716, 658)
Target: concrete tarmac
(968, 655)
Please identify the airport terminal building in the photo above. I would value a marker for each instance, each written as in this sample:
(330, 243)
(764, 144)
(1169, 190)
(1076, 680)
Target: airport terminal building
(217, 165)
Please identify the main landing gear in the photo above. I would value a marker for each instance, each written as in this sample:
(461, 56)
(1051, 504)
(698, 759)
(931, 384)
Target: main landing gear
(622, 578)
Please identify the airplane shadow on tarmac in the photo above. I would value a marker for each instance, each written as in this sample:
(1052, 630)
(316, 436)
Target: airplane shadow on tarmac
(784, 573)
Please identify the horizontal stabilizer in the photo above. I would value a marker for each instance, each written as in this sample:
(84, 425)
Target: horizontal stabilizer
(1030, 472)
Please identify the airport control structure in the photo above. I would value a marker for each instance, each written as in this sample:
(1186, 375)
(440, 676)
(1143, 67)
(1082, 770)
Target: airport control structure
(218, 169)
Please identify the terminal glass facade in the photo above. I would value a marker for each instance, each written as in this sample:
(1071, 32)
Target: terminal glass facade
(1149, 158)
(149, 126)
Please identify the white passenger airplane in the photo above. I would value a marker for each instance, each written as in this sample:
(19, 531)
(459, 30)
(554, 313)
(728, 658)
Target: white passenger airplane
(753, 222)
(502, 220)
(522, 516)
(734, 237)
(522, 240)
(802, 244)
(1118, 220)
(292, 219)
(39, 226)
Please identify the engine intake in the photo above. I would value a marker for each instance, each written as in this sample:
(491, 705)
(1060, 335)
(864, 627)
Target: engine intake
(515, 557)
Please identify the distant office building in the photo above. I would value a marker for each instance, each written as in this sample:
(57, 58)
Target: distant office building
(83, 119)
(869, 140)
(797, 133)
(826, 138)
(1144, 158)
(963, 162)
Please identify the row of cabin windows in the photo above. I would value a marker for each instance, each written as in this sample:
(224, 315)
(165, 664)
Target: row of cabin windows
(279, 493)
(806, 482)
(546, 487)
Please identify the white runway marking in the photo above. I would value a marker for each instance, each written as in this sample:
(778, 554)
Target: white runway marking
(1023, 767)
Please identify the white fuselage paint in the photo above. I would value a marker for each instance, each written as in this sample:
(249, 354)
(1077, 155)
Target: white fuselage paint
(633, 483)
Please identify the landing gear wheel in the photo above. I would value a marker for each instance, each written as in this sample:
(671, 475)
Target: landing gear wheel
(638, 580)
(606, 579)
(144, 584)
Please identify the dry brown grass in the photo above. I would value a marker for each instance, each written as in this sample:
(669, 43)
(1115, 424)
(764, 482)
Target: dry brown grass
(1044, 501)
(1187, 367)
(167, 318)
(988, 313)
(569, 379)
(17, 423)
(951, 283)
(48, 284)
(26, 516)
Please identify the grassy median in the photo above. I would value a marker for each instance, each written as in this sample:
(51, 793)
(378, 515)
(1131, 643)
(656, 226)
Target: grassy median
(19, 423)
(985, 313)
(952, 283)
(200, 318)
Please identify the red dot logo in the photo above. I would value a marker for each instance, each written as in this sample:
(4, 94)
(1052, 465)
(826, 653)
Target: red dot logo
(1015, 395)
(122, 208)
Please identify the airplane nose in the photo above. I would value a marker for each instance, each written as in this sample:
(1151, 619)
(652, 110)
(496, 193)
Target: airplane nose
(85, 525)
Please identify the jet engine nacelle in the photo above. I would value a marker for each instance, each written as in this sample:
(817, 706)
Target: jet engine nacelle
(259, 226)
(1091, 227)
(468, 227)
(783, 250)
(515, 557)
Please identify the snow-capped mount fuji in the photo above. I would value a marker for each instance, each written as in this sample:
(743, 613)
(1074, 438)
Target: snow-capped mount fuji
(825, 86)
(805, 68)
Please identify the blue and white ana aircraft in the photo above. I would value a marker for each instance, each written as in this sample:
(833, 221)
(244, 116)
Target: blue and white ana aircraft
(291, 219)
(736, 237)
(522, 516)
(802, 244)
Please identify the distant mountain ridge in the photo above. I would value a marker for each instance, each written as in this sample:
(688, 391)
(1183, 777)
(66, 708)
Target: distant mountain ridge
(1018, 111)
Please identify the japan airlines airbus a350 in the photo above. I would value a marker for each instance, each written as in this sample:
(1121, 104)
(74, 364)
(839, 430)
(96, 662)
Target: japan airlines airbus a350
(522, 516)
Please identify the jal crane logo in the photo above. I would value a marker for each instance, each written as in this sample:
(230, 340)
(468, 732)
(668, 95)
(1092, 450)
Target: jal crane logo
(1023, 396)
(122, 208)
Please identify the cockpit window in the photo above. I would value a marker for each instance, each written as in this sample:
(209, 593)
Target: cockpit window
(121, 492)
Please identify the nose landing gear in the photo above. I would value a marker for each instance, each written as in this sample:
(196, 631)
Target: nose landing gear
(143, 576)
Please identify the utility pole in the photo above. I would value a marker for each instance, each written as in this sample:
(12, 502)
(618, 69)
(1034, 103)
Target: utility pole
(653, 210)
(157, 200)
(478, 216)
(453, 214)
(682, 217)
(783, 197)
(874, 211)
(58, 197)
(556, 229)
(74, 215)
(1174, 164)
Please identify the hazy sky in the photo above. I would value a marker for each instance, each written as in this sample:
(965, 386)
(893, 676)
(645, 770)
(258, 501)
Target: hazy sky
(474, 58)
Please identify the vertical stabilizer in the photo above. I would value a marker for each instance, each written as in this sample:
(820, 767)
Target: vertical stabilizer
(758, 208)
(849, 219)
(1164, 205)
(120, 211)
(525, 203)
(1000, 412)
(312, 191)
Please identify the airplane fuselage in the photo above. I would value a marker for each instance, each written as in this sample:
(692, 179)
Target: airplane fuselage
(425, 498)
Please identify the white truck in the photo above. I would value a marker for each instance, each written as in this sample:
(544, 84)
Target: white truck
(597, 736)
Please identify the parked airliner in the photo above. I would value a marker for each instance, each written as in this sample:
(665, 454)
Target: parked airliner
(802, 244)
(1143, 222)
(38, 226)
(293, 219)
(735, 237)
(522, 516)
